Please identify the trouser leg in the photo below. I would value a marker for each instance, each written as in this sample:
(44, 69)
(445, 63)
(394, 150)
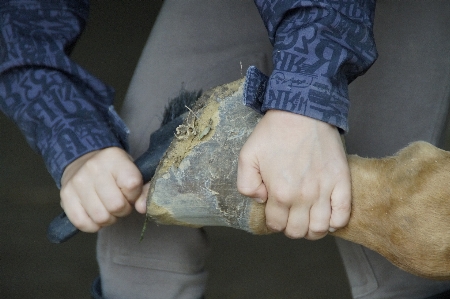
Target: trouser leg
(202, 44)
(199, 44)
(404, 97)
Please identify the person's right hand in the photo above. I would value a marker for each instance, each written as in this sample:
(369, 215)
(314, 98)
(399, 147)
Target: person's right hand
(101, 186)
(298, 166)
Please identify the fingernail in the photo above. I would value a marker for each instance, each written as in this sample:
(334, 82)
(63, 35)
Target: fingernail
(141, 206)
(258, 200)
(331, 229)
(273, 228)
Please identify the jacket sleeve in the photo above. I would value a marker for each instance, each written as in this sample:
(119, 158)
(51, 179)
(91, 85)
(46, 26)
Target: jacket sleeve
(320, 46)
(63, 111)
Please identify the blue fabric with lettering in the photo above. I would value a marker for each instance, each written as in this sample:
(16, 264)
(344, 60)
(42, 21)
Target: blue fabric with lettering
(320, 46)
(63, 111)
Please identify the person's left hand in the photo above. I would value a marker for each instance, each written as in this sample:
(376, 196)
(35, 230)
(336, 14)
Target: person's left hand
(100, 187)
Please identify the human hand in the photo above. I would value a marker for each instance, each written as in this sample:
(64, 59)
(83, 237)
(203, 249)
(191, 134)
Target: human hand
(298, 166)
(101, 186)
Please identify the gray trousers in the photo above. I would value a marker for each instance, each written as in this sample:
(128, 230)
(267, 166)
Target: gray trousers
(200, 44)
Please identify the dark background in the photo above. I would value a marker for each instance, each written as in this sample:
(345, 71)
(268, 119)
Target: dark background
(240, 265)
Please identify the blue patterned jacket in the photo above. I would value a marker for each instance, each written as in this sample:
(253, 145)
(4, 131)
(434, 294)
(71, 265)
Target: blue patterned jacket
(320, 46)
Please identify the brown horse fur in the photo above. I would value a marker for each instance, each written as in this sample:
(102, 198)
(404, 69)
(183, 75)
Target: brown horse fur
(400, 204)
(400, 208)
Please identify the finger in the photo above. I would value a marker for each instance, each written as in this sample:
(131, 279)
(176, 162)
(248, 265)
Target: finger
(129, 180)
(277, 213)
(90, 200)
(249, 180)
(112, 198)
(76, 213)
(141, 204)
(340, 204)
(298, 221)
(319, 214)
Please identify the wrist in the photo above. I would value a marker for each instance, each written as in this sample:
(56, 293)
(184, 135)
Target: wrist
(75, 165)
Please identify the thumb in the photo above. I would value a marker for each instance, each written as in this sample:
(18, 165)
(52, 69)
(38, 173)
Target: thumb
(250, 182)
(141, 203)
(129, 180)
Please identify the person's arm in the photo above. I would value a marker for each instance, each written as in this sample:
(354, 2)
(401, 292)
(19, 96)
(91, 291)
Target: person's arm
(65, 113)
(294, 159)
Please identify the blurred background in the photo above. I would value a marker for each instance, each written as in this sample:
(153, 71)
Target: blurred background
(240, 265)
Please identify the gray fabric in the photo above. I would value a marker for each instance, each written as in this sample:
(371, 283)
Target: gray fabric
(199, 44)
(202, 43)
(404, 97)
(168, 263)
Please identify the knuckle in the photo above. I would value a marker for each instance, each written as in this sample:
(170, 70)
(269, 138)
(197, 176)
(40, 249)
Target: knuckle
(312, 236)
(340, 218)
(101, 217)
(281, 197)
(274, 227)
(83, 224)
(340, 223)
(77, 221)
(342, 206)
(296, 228)
(294, 234)
(319, 228)
(132, 182)
(92, 165)
(299, 195)
(89, 228)
(78, 179)
(118, 206)
(309, 192)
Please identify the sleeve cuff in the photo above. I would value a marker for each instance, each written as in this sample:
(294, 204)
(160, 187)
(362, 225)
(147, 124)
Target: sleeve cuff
(297, 94)
(74, 142)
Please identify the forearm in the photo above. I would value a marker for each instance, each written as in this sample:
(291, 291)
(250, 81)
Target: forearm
(319, 48)
(63, 111)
